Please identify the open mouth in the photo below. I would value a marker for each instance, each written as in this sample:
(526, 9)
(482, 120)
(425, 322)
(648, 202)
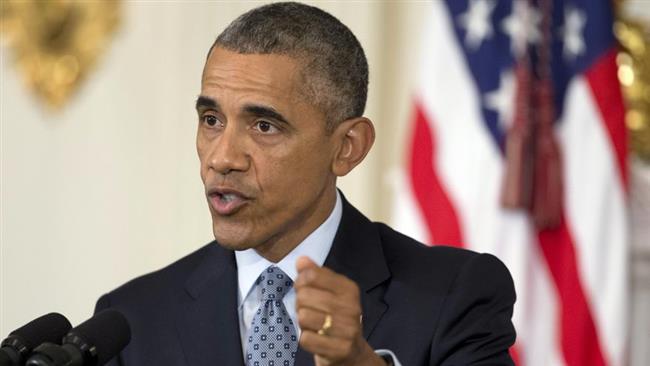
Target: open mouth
(227, 197)
(226, 202)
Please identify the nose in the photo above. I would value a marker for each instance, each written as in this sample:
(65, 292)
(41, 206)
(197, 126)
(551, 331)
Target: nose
(229, 152)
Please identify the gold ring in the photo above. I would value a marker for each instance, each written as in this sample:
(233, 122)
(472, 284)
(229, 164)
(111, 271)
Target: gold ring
(327, 324)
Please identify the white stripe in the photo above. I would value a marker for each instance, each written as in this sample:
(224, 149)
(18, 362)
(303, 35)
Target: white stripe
(596, 212)
(539, 312)
(406, 216)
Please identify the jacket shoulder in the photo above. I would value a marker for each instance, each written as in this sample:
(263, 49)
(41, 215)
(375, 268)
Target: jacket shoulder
(398, 246)
(409, 258)
(158, 285)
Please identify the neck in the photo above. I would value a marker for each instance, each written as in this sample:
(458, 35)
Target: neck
(307, 222)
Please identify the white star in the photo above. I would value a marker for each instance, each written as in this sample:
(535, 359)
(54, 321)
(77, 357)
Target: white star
(502, 100)
(522, 25)
(574, 42)
(477, 23)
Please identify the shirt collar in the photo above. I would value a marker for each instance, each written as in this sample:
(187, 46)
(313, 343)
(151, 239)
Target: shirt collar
(316, 246)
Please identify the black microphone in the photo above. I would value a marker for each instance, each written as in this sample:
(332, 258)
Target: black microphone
(92, 343)
(15, 349)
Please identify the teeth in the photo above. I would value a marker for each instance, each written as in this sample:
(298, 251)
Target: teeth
(227, 197)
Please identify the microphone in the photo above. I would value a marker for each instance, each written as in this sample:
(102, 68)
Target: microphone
(93, 343)
(15, 349)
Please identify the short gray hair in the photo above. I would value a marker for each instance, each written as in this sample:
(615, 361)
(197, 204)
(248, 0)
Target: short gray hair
(335, 68)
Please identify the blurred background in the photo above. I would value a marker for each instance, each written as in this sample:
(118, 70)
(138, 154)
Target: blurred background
(501, 127)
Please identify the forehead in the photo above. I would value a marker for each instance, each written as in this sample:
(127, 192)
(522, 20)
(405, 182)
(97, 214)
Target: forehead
(268, 76)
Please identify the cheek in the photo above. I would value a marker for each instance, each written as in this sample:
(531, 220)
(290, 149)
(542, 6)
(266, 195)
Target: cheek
(294, 169)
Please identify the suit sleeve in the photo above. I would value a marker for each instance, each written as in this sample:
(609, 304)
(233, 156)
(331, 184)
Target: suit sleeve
(475, 326)
(103, 303)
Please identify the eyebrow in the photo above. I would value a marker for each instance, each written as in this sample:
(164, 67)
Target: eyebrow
(265, 111)
(203, 102)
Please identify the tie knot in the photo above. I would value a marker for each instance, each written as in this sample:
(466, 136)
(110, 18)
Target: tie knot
(273, 283)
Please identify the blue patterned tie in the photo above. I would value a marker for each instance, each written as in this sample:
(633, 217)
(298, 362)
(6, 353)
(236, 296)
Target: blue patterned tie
(272, 339)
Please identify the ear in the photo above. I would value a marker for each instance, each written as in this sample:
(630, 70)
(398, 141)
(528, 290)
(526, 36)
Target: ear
(355, 137)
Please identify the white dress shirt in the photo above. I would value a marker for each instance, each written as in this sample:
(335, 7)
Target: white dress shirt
(250, 265)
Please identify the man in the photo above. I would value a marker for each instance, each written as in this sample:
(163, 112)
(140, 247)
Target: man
(296, 275)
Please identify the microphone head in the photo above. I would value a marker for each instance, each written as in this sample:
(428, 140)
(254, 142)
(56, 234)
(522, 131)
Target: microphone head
(104, 335)
(47, 328)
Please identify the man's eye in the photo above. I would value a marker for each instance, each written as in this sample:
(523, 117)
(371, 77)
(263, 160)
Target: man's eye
(210, 120)
(266, 127)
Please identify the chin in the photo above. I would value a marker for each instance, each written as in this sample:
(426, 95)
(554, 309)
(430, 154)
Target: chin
(230, 240)
(232, 245)
(229, 243)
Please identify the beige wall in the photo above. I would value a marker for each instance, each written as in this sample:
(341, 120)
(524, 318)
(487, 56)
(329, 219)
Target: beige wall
(108, 188)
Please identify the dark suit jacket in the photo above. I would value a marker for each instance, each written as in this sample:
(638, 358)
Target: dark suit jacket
(429, 305)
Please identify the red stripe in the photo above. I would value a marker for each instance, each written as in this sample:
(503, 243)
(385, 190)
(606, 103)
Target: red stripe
(434, 204)
(438, 212)
(579, 338)
(514, 354)
(607, 93)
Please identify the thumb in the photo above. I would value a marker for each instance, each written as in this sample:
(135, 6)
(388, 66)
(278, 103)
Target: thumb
(304, 263)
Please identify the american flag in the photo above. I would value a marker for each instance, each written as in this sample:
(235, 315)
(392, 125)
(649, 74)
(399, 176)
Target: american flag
(518, 148)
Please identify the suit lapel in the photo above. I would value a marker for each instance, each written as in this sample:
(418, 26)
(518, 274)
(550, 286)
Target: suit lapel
(357, 253)
(208, 321)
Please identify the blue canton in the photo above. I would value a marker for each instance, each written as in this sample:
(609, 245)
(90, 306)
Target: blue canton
(485, 30)
(272, 339)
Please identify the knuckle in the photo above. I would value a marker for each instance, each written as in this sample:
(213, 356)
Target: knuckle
(350, 332)
(305, 339)
(328, 305)
(299, 299)
(354, 289)
(356, 333)
(302, 296)
(357, 313)
(302, 316)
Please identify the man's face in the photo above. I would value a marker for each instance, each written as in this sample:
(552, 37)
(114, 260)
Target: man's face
(266, 158)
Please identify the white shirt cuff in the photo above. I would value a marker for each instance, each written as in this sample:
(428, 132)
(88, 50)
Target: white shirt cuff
(387, 352)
